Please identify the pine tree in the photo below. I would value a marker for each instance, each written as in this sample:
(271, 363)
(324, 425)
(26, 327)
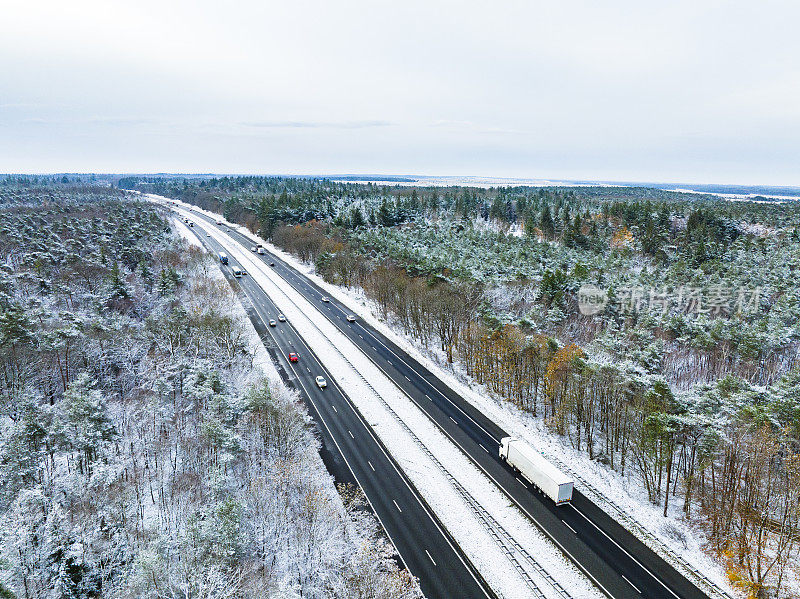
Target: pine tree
(546, 223)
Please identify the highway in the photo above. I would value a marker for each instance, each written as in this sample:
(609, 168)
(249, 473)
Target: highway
(614, 559)
(352, 453)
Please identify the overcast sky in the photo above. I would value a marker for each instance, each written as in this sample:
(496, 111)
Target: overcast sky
(682, 91)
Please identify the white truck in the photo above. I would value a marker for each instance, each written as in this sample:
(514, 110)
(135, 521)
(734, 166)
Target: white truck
(536, 469)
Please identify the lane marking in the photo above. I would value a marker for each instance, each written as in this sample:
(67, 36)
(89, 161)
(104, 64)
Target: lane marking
(483, 448)
(568, 526)
(430, 558)
(351, 435)
(520, 482)
(453, 419)
(625, 551)
(630, 583)
(371, 466)
(408, 379)
(401, 511)
(334, 408)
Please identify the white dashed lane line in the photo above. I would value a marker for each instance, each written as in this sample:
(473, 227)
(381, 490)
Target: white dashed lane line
(630, 583)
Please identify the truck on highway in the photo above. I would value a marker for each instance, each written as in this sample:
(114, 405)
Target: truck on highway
(223, 257)
(536, 469)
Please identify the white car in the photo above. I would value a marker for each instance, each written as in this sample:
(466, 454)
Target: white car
(351, 318)
(219, 222)
(253, 248)
(261, 251)
(272, 323)
(281, 317)
(321, 382)
(326, 300)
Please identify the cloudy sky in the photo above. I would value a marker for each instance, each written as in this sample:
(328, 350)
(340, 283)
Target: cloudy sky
(681, 91)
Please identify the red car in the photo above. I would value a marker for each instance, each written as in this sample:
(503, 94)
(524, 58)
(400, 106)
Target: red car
(293, 357)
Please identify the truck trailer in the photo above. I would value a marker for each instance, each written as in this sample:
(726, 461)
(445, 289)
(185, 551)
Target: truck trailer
(536, 469)
(223, 257)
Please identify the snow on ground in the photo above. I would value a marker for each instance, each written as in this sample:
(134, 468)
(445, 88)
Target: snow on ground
(186, 233)
(351, 373)
(262, 363)
(614, 493)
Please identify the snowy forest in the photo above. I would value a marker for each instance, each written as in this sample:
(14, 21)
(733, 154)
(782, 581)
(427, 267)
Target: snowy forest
(684, 377)
(144, 452)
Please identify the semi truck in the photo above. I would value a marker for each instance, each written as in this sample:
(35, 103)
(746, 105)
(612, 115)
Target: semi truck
(223, 257)
(536, 469)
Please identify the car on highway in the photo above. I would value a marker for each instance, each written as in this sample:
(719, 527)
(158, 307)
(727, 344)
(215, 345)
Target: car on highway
(326, 299)
(321, 382)
(237, 272)
(272, 323)
(252, 248)
(272, 264)
(261, 251)
(281, 317)
(350, 318)
(208, 234)
(293, 357)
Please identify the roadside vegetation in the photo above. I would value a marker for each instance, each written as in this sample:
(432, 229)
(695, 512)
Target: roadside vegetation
(141, 452)
(685, 377)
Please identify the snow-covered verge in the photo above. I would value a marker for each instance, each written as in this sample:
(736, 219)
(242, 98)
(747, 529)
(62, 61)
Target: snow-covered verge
(147, 446)
(673, 537)
(423, 452)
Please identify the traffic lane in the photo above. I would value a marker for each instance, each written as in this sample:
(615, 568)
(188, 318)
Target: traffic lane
(441, 571)
(677, 584)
